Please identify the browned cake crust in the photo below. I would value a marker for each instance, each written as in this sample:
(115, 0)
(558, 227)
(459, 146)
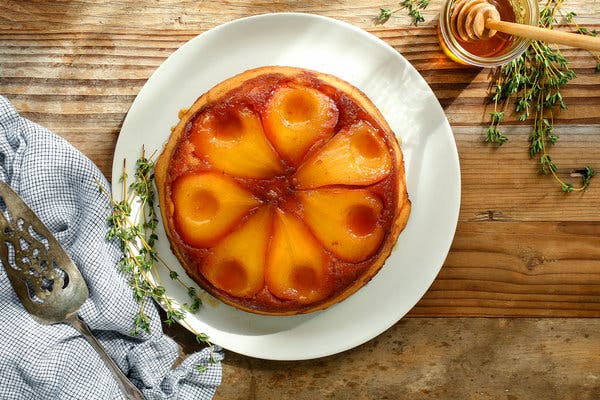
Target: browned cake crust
(394, 187)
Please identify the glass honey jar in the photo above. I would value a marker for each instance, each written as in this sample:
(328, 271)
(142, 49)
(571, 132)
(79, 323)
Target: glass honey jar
(498, 49)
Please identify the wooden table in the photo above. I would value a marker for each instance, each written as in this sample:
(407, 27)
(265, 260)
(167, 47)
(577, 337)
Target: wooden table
(524, 254)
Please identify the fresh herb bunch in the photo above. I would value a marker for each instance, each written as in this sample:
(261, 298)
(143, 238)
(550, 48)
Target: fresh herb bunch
(140, 259)
(535, 80)
(414, 8)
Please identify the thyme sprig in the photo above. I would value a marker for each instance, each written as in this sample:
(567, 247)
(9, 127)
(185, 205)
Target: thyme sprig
(570, 17)
(535, 81)
(140, 259)
(414, 8)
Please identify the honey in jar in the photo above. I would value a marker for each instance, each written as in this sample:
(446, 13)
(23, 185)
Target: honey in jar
(497, 50)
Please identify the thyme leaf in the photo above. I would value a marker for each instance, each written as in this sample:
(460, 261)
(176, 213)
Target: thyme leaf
(413, 7)
(385, 14)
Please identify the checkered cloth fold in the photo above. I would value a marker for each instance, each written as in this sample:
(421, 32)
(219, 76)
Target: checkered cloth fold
(54, 361)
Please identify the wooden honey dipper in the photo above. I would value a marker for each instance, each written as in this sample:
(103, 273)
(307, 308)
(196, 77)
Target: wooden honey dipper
(478, 19)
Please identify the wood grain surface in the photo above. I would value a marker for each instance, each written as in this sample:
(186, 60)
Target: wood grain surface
(448, 359)
(522, 247)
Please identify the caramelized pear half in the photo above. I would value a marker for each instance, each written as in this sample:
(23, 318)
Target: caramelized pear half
(236, 264)
(296, 118)
(296, 266)
(357, 155)
(347, 222)
(207, 205)
(233, 141)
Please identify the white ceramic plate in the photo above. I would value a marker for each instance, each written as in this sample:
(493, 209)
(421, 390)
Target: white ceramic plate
(413, 112)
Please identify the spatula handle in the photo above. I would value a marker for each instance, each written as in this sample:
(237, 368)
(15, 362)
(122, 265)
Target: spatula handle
(128, 388)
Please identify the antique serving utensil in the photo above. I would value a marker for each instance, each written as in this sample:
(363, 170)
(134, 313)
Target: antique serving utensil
(46, 280)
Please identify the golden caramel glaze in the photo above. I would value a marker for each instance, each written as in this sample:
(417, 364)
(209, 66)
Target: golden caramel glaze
(303, 270)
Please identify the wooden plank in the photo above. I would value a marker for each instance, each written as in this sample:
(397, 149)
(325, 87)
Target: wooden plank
(500, 268)
(425, 358)
(182, 14)
(504, 183)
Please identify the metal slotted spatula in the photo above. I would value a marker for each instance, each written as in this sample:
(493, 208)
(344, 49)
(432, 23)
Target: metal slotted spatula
(44, 277)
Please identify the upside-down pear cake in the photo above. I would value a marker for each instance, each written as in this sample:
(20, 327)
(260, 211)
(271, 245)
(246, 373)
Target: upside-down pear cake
(282, 190)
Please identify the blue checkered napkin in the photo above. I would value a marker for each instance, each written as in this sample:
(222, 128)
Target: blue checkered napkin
(54, 361)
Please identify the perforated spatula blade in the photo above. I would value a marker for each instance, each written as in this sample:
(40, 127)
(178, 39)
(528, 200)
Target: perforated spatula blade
(46, 280)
